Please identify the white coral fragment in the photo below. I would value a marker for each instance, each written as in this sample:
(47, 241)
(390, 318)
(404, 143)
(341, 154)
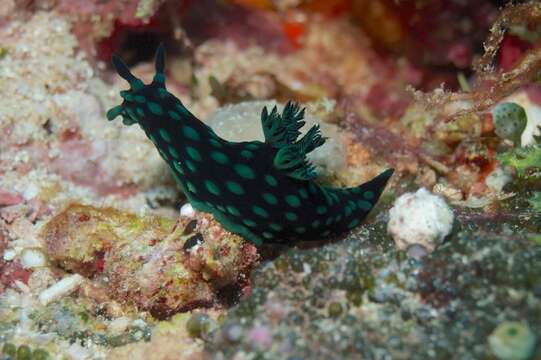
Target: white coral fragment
(60, 289)
(420, 218)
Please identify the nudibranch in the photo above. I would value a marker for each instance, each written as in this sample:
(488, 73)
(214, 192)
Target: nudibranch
(263, 191)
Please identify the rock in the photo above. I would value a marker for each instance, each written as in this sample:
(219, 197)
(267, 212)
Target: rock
(141, 261)
(497, 179)
(363, 298)
(33, 258)
(419, 218)
(241, 122)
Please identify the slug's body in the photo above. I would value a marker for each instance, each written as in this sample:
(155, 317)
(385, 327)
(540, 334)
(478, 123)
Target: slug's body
(263, 191)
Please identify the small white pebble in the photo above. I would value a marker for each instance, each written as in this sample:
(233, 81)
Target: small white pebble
(31, 192)
(60, 289)
(9, 254)
(32, 258)
(139, 323)
(187, 210)
(119, 325)
(420, 218)
(497, 179)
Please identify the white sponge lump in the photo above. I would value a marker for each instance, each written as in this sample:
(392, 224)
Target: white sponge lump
(420, 218)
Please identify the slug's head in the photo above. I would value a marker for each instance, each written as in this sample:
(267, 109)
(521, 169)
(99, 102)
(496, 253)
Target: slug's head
(138, 100)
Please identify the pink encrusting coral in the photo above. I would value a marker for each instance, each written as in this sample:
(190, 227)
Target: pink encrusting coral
(47, 86)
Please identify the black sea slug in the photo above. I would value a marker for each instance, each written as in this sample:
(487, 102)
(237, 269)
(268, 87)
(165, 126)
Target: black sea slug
(264, 191)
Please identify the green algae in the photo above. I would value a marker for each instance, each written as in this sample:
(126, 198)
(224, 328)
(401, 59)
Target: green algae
(512, 341)
(199, 325)
(509, 121)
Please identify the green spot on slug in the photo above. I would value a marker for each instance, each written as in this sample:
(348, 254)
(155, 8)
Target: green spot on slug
(247, 154)
(315, 223)
(267, 235)
(160, 78)
(260, 211)
(212, 187)
(234, 187)
(191, 187)
(270, 199)
(219, 157)
(353, 223)
(193, 153)
(249, 223)
(173, 152)
(174, 115)
(321, 210)
(244, 171)
(154, 108)
(182, 109)
(162, 93)
(293, 200)
(190, 165)
(328, 221)
(275, 227)
(303, 193)
(165, 135)
(271, 180)
(252, 146)
(215, 143)
(233, 210)
(326, 233)
(364, 205)
(191, 133)
(291, 216)
(177, 166)
(140, 112)
(348, 210)
(368, 195)
(140, 99)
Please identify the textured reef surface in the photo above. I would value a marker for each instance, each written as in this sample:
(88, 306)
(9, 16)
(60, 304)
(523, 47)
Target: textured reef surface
(102, 256)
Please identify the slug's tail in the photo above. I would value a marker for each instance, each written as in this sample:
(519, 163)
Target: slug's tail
(357, 202)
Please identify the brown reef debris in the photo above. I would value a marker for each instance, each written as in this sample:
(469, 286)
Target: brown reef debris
(494, 80)
(149, 262)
